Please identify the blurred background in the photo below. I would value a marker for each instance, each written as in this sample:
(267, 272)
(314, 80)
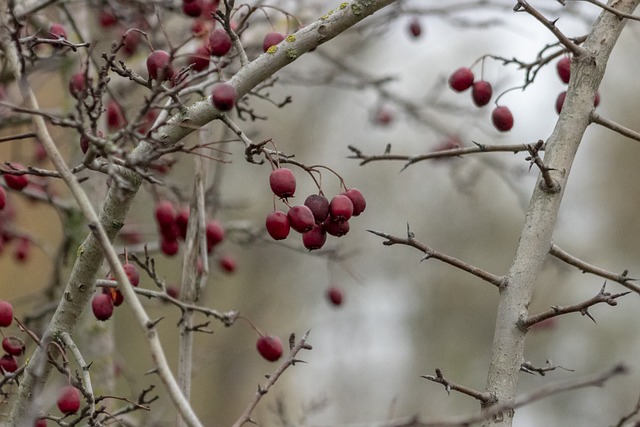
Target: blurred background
(400, 318)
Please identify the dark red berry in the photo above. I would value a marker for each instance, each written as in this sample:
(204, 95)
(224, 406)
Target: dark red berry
(165, 213)
(301, 218)
(130, 41)
(228, 264)
(169, 247)
(78, 85)
(415, 29)
(319, 206)
(42, 422)
(115, 295)
(560, 101)
(159, 65)
(115, 116)
(132, 273)
(8, 363)
(57, 31)
(223, 96)
(102, 306)
(3, 198)
(271, 39)
(68, 400)
(481, 93)
(282, 182)
(358, 200)
(383, 116)
(277, 224)
(107, 18)
(170, 231)
(219, 42)
(200, 59)
(340, 208)
(269, 347)
(182, 221)
(192, 8)
(173, 291)
(564, 69)
(502, 118)
(16, 182)
(335, 295)
(13, 346)
(336, 228)
(314, 238)
(461, 79)
(215, 234)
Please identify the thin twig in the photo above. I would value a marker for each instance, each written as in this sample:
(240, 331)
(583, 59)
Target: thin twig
(484, 397)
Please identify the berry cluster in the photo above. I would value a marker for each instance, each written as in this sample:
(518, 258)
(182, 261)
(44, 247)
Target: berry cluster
(12, 346)
(103, 303)
(563, 67)
(481, 93)
(314, 219)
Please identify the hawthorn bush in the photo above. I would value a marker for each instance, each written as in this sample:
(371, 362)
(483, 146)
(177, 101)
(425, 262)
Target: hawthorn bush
(177, 194)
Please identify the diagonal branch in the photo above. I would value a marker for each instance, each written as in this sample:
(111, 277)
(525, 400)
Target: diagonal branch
(483, 397)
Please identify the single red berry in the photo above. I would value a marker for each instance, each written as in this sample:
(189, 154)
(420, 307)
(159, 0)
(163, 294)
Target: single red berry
(301, 218)
(358, 200)
(335, 295)
(173, 291)
(560, 101)
(78, 85)
(215, 234)
(336, 228)
(165, 213)
(340, 208)
(69, 400)
(170, 231)
(192, 8)
(383, 117)
(461, 79)
(107, 18)
(6, 313)
(115, 116)
(209, 9)
(182, 221)
(8, 363)
(271, 39)
(481, 93)
(159, 65)
(13, 346)
(228, 264)
(57, 31)
(319, 206)
(130, 42)
(200, 59)
(223, 96)
(502, 118)
(563, 67)
(169, 247)
(269, 347)
(132, 273)
(22, 250)
(42, 422)
(102, 306)
(415, 28)
(3, 198)
(314, 238)
(282, 182)
(277, 224)
(16, 182)
(219, 42)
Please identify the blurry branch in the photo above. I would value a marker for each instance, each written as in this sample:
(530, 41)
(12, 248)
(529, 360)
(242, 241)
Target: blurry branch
(582, 308)
(613, 10)
(629, 416)
(629, 133)
(272, 378)
(483, 397)
(623, 279)
(431, 253)
(25, 135)
(529, 368)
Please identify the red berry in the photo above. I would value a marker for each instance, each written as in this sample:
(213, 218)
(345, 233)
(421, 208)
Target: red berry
(282, 182)
(415, 28)
(200, 59)
(481, 93)
(215, 234)
(169, 247)
(22, 250)
(461, 79)
(182, 221)
(596, 99)
(13, 346)
(335, 295)
(383, 117)
(102, 306)
(3, 198)
(84, 144)
(173, 291)
(69, 400)
(198, 28)
(165, 213)
(277, 224)
(314, 238)
(219, 42)
(502, 118)
(340, 208)
(271, 39)
(6, 313)
(224, 96)
(319, 206)
(42, 422)
(336, 228)
(301, 218)
(115, 295)
(130, 41)
(564, 69)
(192, 8)
(159, 65)
(170, 231)
(132, 273)
(269, 347)
(107, 18)
(560, 101)
(356, 197)
(78, 85)
(8, 363)
(16, 182)
(115, 116)
(57, 31)
(228, 264)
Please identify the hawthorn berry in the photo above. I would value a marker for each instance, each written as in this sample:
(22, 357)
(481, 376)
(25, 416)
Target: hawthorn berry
(132, 273)
(563, 67)
(461, 79)
(107, 18)
(319, 206)
(6, 313)
(358, 200)
(219, 42)
(223, 96)
(214, 233)
(165, 213)
(192, 8)
(336, 228)
(335, 295)
(271, 39)
(173, 291)
(481, 93)
(340, 208)
(301, 218)
(115, 115)
(42, 422)
(170, 231)
(200, 59)
(314, 238)
(502, 118)
(277, 225)
(16, 182)
(102, 306)
(57, 31)
(130, 41)
(415, 29)
(269, 347)
(78, 85)
(3, 198)
(13, 346)
(169, 247)
(182, 221)
(159, 65)
(115, 295)
(228, 264)
(68, 400)
(383, 116)
(282, 182)
(8, 363)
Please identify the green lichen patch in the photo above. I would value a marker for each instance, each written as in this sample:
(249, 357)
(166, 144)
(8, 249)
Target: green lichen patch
(272, 50)
(356, 9)
(344, 4)
(291, 38)
(292, 53)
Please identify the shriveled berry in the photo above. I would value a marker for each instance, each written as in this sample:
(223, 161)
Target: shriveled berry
(301, 218)
(481, 93)
(78, 85)
(159, 65)
(269, 347)
(277, 225)
(314, 238)
(502, 118)
(340, 208)
(461, 79)
(336, 228)
(13, 345)
(415, 28)
(8, 363)
(165, 213)
(6, 314)
(200, 59)
(192, 8)
(68, 400)
(102, 306)
(16, 182)
(228, 264)
(223, 96)
(319, 206)
(219, 42)
(282, 182)
(215, 234)
(358, 200)
(115, 294)
(335, 295)
(563, 67)
(271, 39)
